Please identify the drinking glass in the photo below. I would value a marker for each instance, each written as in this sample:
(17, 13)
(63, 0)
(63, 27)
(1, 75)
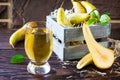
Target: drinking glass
(38, 47)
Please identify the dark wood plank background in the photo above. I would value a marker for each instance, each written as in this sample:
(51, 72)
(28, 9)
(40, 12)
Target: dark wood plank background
(29, 10)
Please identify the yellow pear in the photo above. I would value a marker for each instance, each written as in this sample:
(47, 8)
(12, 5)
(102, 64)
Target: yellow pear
(78, 7)
(88, 6)
(20, 34)
(77, 18)
(62, 18)
(102, 57)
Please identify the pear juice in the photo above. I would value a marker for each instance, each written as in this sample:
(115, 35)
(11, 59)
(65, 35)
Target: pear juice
(38, 44)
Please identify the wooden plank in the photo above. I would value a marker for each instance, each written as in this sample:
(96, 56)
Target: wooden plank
(76, 34)
(58, 49)
(56, 28)
(115, 31)
(10, 14)
(72, 52)
(31, 10)
(5, 4)
(4, 20)
(77, 52)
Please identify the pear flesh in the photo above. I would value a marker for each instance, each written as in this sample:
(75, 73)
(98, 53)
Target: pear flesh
(87, 59)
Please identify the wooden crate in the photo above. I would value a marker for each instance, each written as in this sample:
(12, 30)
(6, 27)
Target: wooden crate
(63, 36)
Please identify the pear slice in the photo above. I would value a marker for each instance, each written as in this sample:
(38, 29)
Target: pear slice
(87, 59)
(102, 57)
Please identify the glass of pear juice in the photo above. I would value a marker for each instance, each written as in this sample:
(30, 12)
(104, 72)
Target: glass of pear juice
(38, 48)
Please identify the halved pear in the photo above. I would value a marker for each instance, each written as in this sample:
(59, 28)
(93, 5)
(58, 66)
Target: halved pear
(102, 57)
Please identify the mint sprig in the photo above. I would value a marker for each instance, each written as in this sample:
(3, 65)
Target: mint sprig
(17, 58)
(92, 21)
(94, 17)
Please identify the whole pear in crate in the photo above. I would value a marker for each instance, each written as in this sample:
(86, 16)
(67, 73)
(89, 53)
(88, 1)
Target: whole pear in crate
(78, 7)
(62, 18)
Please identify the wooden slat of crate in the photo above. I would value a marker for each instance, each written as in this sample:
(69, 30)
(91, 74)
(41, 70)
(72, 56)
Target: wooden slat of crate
(75, 34)
(55, 28)
(77, 52)
(72, 52)
(58, 49)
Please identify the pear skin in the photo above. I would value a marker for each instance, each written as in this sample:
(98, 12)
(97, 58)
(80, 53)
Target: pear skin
(17, 36)
(20, 34)
(78, 7)
(77, 18)
(88, 6)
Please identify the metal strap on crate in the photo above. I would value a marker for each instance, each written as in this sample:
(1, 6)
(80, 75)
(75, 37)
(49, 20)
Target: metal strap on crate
(9, 13)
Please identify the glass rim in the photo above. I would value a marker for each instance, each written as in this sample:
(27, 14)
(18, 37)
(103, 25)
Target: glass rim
(42, 23)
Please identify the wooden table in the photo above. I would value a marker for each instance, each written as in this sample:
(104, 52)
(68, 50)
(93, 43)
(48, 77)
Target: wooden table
(59, 70)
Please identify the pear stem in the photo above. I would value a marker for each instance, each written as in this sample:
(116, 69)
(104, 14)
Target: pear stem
(12, 46)
(62, 3)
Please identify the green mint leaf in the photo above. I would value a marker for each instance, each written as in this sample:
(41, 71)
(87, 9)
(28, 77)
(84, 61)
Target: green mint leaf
(95, 14)
(17, 58)
(104, 19)
(92, 21)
